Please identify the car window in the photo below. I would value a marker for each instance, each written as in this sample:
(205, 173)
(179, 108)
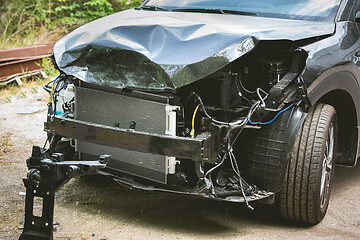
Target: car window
(314, 10)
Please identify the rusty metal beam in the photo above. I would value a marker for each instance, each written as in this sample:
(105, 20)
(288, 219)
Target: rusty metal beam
(24, 65)
(25, 52)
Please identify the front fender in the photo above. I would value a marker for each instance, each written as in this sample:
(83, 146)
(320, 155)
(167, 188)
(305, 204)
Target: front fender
(345, 77)
(339, 86)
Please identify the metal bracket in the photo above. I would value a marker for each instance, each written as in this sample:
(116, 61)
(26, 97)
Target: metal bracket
(303, 92)
(44, 178)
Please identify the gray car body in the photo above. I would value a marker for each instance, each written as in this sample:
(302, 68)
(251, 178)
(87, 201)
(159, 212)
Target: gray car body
(163, 51)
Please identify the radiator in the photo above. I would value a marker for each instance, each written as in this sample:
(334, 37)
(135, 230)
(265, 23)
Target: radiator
(131, 113)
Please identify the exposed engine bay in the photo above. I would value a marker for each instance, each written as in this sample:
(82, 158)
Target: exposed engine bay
(202, 139)
(211, 102)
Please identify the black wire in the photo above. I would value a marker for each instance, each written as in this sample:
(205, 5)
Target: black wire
(47, 139)
(233, 125)
(239, 92)
(59, 86)
(242, 86)
(237, 172)
(211, 170)
(240, 122)
(47, 88)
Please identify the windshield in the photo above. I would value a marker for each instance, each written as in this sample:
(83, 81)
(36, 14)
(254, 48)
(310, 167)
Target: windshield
(312, 10)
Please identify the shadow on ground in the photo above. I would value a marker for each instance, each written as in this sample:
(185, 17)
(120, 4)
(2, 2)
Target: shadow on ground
(345, 177)
(177, 213)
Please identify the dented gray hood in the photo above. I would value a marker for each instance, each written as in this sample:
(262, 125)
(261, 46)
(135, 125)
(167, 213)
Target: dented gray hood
(162, 51)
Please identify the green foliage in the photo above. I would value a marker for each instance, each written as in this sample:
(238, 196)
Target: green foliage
(130, 4)
(49, 67)
(34, 90)
(23, 94)
(81, 11)
(20, 18)
(4, 144)
(8, 99)
(30, 19)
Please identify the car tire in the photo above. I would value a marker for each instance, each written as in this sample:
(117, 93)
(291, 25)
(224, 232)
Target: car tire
(305, 194)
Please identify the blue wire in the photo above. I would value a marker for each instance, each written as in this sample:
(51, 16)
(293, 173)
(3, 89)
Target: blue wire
(277, 115)
(56, 79)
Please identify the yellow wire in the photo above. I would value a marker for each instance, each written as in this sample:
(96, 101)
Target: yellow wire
(52, 91)
(192, 133)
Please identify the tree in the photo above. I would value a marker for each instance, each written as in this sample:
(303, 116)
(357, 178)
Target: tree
(20, 19)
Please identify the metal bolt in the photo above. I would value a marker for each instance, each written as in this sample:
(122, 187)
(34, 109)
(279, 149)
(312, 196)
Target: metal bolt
(133, 125)
(104, 159)
(57, 157)
(69, 171)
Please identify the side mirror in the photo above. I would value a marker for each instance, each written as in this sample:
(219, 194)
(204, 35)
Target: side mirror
(357, 17)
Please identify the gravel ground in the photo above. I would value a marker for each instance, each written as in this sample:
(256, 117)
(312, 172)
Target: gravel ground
(98, 208)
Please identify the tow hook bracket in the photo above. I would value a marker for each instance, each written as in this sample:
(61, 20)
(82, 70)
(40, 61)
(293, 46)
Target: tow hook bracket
(44, 178)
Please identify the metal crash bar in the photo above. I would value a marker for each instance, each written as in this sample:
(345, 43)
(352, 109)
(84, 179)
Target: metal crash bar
(199, 148)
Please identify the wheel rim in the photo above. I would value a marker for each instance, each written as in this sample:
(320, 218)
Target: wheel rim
(327, 165)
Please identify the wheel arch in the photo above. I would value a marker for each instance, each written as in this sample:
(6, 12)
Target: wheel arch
(339, 87)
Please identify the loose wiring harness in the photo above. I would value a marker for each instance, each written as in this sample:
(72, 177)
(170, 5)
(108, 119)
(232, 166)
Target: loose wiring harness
(52, 92)
(272, 120)
(239, 125)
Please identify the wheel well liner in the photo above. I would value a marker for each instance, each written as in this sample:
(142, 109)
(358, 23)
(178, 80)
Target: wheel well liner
(339, 88)
(264, 153)
(347, 133)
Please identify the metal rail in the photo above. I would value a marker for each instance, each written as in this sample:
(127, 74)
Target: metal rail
(22, 60)
(25, 52)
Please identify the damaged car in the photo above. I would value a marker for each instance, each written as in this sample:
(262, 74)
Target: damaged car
(235, 101)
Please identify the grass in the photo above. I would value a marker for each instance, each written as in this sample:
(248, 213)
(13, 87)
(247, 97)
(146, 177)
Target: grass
(38, 36)
(10, 92)
(34, 90)
(4, 144)
(7, 93)
(23, 94)
(8, 99)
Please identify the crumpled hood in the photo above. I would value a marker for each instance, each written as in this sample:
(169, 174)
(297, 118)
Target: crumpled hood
(160, 51)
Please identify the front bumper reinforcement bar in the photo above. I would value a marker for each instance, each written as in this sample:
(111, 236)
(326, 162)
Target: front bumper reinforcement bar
(200, 148)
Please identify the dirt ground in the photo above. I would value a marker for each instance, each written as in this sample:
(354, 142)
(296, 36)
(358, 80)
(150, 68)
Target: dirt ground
(103, 209)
